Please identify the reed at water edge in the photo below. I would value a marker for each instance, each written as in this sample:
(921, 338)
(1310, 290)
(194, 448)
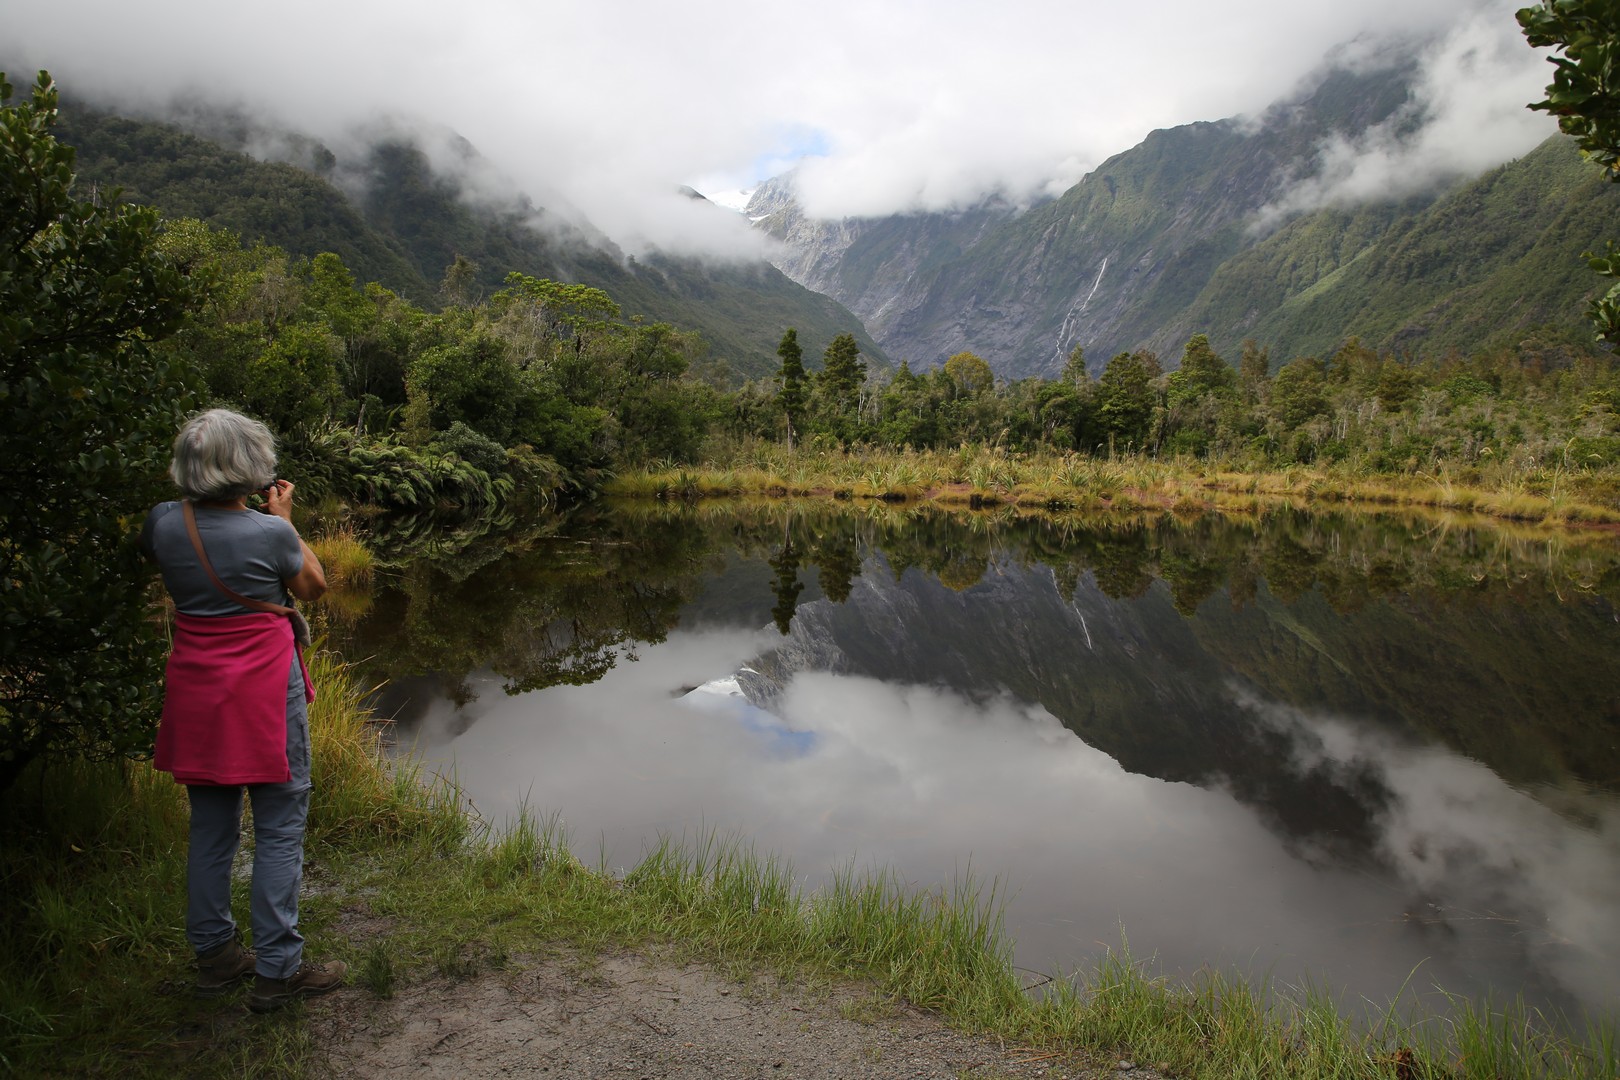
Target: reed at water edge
(988, 476)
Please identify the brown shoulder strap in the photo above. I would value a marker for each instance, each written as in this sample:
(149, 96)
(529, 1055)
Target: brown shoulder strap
(202, 555)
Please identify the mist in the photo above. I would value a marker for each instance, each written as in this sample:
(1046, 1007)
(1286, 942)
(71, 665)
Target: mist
(601, 113)
(1467, 114)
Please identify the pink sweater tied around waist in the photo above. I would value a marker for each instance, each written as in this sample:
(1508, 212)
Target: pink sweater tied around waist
(225, 701)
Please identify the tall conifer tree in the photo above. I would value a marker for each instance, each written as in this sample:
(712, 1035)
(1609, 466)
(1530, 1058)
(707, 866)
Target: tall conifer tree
(791, 395)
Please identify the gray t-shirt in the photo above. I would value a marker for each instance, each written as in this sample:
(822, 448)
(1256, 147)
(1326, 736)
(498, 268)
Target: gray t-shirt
(251, 552)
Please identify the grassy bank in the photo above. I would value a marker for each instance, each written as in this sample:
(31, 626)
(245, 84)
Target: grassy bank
(94, 970)
(985, 476)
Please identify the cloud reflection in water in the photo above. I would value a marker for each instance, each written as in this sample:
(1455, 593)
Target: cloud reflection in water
(1473, 884)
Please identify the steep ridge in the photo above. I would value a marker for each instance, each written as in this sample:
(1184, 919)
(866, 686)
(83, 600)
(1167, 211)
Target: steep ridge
(1162, 241)
(392, 219)
(1104, 265)
(1488, 262)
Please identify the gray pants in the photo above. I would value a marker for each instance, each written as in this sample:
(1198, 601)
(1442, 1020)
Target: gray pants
(279, 812)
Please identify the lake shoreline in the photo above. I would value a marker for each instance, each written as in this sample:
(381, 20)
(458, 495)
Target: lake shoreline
(429, 901)
(426, 901)
(988, 480)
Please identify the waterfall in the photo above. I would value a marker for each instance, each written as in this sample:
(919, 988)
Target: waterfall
(1076, 310)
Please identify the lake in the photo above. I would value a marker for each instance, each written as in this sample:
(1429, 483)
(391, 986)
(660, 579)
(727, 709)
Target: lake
(1360, 753)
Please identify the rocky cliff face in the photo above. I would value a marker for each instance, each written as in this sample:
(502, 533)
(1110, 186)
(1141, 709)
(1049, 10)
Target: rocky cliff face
(879, 268)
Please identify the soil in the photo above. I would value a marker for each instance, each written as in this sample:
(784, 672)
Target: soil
(640, 1014)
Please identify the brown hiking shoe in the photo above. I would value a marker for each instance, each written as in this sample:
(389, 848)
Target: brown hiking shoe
(221, 966)
(309, 980)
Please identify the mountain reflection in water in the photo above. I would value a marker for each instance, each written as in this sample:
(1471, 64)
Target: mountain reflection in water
(1314, 748)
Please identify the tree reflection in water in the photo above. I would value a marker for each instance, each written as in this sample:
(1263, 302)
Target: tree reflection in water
(564, 601)
(1352, 686)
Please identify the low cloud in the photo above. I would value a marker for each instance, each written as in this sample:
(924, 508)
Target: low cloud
(610, 108)
(1472, 850)
(1467, 114)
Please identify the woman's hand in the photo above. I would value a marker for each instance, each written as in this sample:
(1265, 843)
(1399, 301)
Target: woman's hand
(278, 499)
(310, 582)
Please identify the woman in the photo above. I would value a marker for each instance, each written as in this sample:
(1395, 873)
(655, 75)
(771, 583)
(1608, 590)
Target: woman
(225, 727)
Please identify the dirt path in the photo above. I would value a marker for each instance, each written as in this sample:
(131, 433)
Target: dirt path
(634, 1015)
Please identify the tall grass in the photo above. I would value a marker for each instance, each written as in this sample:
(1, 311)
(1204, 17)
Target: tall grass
(361, 796)
(94, 966)
(985, 476)
(346, 560)
(92, 958)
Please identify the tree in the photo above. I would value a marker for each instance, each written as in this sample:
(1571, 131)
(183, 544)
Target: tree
(971, 374)
(1074, 368)
(567, 311)
(1126, 398)
(1299, 392)
(791, 396)
(660, 414)
(1197, 395)
(908, 414)
(459, 287)
(1396, 384)
(1585, 96)
(843, 371)
(1254, 371)
(1585, 91)
(468, 379)
(89, 413)
(1202, 374)
(293, 382)
(1062, 413)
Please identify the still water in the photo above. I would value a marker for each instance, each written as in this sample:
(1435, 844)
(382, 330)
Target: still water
(1359, 753)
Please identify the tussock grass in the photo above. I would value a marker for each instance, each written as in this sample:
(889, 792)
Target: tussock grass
(360, 796)
(350, 569)
(346, 560)
(94, 965)
(975, 476)
(94, 968)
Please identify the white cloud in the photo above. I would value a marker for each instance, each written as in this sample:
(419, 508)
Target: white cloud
(1473, 880)
(1467, 114)
(1477, 849)
(612, 106)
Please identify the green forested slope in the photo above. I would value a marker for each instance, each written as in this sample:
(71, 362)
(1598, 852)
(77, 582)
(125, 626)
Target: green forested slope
(187, 176)
(410, 224)
(1162, 242)
(740, 309)
(1489, 261)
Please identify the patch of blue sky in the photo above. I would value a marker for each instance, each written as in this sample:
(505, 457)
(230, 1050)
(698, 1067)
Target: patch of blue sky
(789, 144)
(794, 143)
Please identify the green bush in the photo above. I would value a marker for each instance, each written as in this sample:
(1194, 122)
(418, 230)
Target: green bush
(87, 414)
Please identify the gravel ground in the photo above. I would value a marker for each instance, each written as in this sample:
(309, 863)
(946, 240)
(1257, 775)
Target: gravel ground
(637, 1015)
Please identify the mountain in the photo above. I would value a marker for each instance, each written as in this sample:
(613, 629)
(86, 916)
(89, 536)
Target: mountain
(1483, 264)
(393, 219)
(1163, 241)
(872, 265)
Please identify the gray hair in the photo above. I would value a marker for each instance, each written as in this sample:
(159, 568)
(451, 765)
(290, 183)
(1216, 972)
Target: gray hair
(222, 455)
